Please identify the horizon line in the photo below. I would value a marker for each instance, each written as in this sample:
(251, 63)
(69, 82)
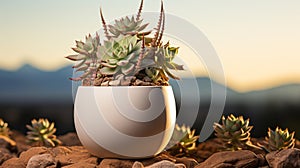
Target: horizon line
(229, 84)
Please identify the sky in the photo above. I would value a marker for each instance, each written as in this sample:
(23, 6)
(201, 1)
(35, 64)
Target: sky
(258, 42)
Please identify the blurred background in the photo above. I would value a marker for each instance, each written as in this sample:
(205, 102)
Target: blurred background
(257, 42)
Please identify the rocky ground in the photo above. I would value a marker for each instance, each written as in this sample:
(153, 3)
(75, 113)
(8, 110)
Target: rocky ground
(73, 155)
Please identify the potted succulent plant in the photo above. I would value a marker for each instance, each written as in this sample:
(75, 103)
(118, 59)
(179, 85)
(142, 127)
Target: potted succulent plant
(125, 107)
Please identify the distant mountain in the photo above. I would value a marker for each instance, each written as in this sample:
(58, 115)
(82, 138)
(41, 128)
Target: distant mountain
(31, 85)
(289, 93)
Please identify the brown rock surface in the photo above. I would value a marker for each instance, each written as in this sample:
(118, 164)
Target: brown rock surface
(235, 159)
(5, 155)
(87, 163)
(207, 148)
(162, 156)
(188, 162)
(287, 158)
(115, 163)
(25, 156)
(44, 160)
(4, 144)
(71, 155)
(21, 140)
(166, 164)
(70, 139)
(297, 144)
(64, 156)
(13, 163)
(160, 164)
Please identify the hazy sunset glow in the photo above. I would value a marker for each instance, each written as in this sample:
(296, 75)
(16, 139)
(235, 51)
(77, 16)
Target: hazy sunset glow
(257, 41)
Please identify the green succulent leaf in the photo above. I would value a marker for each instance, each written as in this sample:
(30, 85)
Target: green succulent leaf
(81, 51)
(109, 71)
(79, 44)
(123, 63)
(109, 65)
(126, 70)
(77, 57)
(174, 66)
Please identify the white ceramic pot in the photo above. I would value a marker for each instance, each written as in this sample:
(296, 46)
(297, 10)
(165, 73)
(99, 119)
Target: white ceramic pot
(125, 121)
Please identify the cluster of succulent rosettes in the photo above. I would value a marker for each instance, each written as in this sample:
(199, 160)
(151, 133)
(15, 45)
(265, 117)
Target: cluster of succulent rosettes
(234, 132)
(42, 132)
(128, 56)
(279, 139)
(183, 141)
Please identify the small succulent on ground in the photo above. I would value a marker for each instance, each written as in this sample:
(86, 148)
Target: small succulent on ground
(4, 130)
(128, 56)
(279, 139)
(42, 132)
(183, 141)
(5, 133)
(234, 132)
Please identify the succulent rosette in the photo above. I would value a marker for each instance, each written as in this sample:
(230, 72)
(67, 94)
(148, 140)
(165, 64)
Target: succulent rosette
(279, 139)
(42, 132)
(234, 132)
(119, 55)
